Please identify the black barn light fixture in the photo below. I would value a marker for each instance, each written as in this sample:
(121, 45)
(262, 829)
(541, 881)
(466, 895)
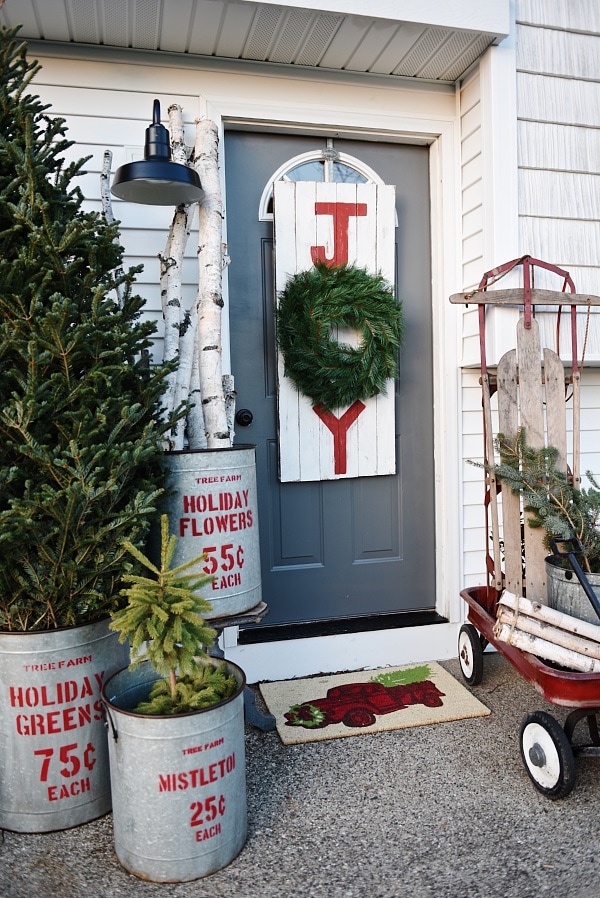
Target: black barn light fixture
(156, 180)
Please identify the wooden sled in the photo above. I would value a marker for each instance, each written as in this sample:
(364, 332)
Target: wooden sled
(533, 390)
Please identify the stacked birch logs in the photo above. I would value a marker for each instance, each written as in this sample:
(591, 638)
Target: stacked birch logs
(193, 336)
(548, 633)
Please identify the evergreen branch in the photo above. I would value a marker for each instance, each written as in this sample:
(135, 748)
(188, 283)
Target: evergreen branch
(80, 416)
(549, 496)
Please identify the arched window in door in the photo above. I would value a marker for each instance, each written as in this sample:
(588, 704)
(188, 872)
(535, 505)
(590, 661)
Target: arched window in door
(326, 164)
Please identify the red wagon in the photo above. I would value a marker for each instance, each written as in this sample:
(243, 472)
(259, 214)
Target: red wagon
(529, 389)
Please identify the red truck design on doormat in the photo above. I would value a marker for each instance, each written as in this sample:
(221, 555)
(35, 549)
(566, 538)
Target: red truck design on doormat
(359, 704)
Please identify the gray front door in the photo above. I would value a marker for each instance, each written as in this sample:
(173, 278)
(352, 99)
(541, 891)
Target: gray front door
(336, 549)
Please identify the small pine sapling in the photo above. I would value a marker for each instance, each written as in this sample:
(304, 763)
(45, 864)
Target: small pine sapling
(163, 622)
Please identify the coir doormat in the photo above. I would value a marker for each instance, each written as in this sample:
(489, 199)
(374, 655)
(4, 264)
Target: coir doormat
(367, 701)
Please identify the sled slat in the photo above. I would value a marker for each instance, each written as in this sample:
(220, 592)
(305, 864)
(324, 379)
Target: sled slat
(532, 420)
(556, 411)
(508, 421)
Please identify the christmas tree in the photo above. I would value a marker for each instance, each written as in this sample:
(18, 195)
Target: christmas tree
(80, 408)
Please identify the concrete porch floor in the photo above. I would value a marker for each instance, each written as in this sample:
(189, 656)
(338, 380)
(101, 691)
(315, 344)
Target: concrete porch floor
(444, 811)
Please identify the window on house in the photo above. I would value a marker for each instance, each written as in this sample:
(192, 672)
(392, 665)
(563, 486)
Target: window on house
(324, 165)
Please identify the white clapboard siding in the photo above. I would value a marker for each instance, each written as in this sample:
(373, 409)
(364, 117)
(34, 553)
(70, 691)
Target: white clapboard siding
(471, 161)
(558, 99)
(576, 15)
(558, 109)
(473, 216)
(555, 147)
(574, 195)
(306, 446)
(558, 52)
(562, 240)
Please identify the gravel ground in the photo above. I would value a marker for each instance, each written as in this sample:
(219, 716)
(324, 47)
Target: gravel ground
(444, 811)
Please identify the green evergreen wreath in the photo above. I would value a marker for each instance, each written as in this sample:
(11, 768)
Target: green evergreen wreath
(315, 301)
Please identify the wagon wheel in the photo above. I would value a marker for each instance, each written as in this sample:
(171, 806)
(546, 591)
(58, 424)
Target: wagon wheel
(547, 755)
(470, 654)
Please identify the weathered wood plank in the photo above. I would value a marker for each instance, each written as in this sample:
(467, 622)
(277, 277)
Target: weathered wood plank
(532, 420)
(514, 297)
(556, 411)
(530, 382)
(508, 424)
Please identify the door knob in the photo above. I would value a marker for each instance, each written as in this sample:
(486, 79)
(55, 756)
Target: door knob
(244, 417)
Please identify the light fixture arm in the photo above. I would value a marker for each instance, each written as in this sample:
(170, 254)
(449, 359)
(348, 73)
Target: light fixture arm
(157, 144)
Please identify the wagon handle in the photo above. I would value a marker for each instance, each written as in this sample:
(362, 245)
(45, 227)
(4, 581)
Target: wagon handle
(574, 546)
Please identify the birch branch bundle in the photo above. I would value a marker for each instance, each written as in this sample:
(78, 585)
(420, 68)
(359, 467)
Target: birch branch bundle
(180, 325)
(179, 151)
(107, 210)
(548, 633)
(196, 431)
(193, 336)
(209, 298)
(172, 301)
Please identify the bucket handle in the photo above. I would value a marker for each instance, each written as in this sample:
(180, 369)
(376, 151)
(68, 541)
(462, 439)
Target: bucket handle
(107, 717)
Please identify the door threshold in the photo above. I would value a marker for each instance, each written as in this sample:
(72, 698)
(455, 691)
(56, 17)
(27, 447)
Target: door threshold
(253, 635)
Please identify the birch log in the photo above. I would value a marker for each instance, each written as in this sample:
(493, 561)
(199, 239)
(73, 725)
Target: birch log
(187, 387)
(547, 650)
(107, 210)
(550, 615)
(196, 430)
(179, 151)
(171, 292)
(209, 298)
(546, 631)
(230, 397)
(171, 299)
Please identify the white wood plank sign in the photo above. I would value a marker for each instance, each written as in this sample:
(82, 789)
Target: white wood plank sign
(337, 223)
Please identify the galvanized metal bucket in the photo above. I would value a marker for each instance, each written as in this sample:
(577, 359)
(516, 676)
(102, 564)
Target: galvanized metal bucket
(178, 781)
(213, 509)
(54, 770)
(566, 594)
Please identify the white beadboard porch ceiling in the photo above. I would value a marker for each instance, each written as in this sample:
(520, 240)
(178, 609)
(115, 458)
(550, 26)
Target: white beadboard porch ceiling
(319, 34)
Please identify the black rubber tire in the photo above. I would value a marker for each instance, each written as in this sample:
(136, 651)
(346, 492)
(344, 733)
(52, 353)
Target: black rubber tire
(547, 755)
(470, 655)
